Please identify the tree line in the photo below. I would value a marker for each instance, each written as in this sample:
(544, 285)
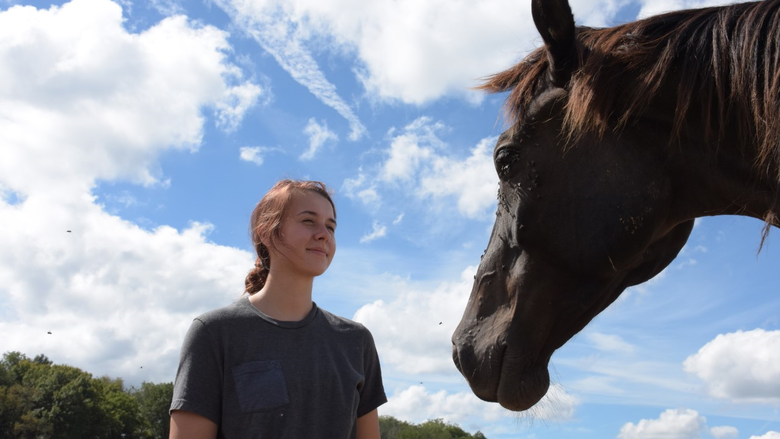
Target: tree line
(392, 428)
(42, 400)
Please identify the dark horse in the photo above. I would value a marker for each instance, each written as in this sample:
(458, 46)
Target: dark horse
(620, 138)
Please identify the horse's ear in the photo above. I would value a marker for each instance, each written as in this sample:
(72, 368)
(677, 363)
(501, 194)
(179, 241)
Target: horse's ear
(555, 23)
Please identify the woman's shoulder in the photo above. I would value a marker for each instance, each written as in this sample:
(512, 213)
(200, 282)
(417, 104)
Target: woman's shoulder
(235, 310)
(342, 324)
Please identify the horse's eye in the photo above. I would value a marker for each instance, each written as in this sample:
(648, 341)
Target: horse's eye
(505, 162)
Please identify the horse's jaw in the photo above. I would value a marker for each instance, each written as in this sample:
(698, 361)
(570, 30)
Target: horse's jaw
(519, 312)
(512, 376)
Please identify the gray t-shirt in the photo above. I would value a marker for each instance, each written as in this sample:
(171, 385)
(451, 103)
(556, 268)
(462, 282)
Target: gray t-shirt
(257, 377)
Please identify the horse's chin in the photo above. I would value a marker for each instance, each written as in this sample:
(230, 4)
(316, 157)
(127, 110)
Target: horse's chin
(519, 391)
(516, 382)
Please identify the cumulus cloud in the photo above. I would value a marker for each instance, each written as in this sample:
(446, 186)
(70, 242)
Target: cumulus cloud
(419, 162)
(676, 424)
(767, 435)
(415, 404)
(85, 100)
(411, 149)
(319, 135)
(472, 181)
(413, 332)
(742, 366)
(724, 432)
(82, 100)
(114, 296)
(672, 424)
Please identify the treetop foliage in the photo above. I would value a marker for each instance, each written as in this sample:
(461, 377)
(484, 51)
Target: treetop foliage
(42, 400)
(392, 428)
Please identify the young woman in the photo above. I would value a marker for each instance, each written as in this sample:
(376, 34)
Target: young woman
(273, 364)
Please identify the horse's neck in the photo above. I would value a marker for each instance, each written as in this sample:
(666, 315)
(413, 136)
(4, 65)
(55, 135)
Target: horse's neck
(723, 179)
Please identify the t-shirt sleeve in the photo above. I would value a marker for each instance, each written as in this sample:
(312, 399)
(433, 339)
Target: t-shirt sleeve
(372, 394)
(198, 385)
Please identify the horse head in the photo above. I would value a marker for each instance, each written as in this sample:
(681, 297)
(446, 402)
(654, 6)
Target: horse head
(580, 218)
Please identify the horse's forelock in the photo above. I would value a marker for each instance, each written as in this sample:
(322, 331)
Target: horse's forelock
(521, 80)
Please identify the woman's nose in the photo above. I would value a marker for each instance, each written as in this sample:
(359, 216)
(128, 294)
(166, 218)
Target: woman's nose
(322, 233)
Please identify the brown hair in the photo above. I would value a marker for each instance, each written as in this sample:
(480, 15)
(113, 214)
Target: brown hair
(267, 220)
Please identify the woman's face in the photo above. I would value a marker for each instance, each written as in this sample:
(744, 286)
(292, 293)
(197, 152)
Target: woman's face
(306, 242)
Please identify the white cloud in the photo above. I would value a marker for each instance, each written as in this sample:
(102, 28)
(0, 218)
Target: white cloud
(415, 404)
(82, 100)
(418, 163)
(411, 149)
(378, 231)
(398, 219)
(472, 181)
(672, 424)
(319, 135)
(743, 365)
(114, 296)
(660, 6)
(252, 154)
(767, 435)
(725, 432)
(407, 50)
(167, 7)
(610, 342)
(359, 188)
(85, 100)
(277, 29)
(413, 332)
(235, 103)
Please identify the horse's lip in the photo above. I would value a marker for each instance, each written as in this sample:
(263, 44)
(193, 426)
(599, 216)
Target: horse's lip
(482, 377)
(521, 387)
(516, 378)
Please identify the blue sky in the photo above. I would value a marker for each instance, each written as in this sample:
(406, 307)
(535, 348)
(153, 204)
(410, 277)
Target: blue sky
(136, 137)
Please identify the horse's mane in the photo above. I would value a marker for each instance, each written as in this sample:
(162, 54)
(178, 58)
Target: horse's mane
(724, 60)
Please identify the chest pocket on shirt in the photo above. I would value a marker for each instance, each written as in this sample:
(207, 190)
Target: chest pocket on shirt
(260, 386)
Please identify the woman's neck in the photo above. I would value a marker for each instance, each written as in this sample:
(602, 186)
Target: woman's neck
(284, 299)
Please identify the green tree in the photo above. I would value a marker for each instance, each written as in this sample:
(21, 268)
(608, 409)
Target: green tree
(64, 400)
(154, 400)
(120, 413)
(391, 428)
(42, 400)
